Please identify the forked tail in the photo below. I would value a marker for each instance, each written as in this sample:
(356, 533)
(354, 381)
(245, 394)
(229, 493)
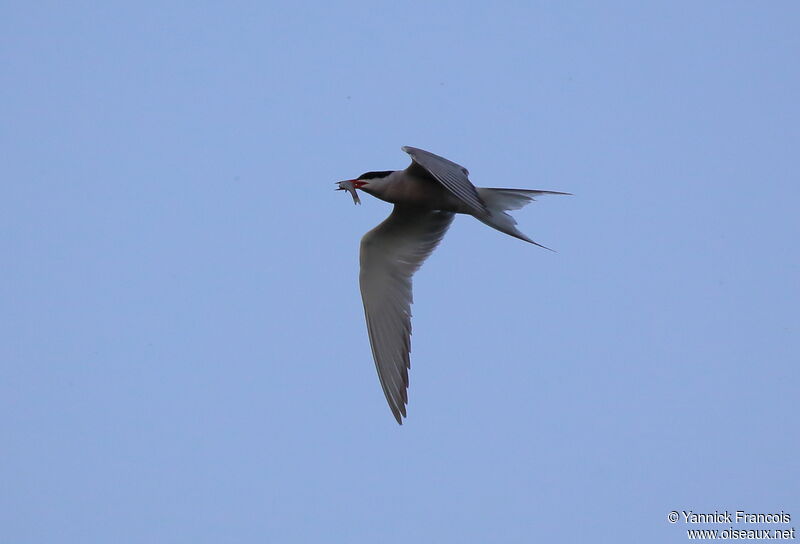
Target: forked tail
(499, 201)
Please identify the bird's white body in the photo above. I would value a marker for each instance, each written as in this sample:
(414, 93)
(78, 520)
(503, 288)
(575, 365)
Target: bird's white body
(406, 189)
(426, 196)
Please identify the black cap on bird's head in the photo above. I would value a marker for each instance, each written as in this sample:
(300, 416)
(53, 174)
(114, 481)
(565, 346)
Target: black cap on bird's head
(373, 175)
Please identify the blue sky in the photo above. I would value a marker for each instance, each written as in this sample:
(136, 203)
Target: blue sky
(183, 356)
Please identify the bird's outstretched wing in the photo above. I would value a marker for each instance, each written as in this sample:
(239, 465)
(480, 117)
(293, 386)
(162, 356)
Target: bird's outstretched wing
(454, 177)
(390, 254)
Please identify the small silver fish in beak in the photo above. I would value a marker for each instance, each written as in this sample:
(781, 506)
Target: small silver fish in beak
(349, 185)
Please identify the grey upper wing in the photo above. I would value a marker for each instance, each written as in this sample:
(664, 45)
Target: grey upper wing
(454, 177)
(390, 254)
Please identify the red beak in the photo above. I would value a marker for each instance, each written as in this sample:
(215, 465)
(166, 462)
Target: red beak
(358, 184)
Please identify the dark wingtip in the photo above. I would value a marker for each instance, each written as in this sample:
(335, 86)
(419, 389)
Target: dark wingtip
(555, 193)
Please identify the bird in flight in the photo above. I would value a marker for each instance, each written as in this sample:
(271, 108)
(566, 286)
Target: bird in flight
(426, 197)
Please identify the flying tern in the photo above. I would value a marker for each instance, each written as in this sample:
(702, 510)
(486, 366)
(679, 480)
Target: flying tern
(426, 197)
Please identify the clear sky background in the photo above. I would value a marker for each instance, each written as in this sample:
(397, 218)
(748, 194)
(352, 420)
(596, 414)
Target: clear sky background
(183, 356)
